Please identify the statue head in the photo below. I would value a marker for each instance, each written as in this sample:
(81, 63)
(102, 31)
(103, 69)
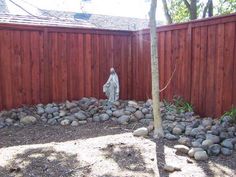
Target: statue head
(112, 71)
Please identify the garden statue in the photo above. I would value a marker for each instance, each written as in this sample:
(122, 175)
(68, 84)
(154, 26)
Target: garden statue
(111, 87)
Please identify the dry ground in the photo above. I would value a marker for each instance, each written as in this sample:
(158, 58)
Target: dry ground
(96, 150)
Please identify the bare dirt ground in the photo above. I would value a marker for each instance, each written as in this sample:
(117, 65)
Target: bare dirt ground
(97, 150)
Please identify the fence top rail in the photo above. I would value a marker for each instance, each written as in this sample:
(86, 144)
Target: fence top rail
(64, 29)
(194, 23)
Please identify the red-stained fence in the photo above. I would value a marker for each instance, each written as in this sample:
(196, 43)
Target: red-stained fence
(200, 54)
(41, 64)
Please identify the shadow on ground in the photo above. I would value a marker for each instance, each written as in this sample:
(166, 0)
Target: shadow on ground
(46, 161)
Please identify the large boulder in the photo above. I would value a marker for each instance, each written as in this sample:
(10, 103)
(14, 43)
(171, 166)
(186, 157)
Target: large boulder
(28, 120)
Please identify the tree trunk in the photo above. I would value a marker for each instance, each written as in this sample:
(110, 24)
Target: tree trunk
(210, 9)
(166, 10)
(158, 131)
(193, 10)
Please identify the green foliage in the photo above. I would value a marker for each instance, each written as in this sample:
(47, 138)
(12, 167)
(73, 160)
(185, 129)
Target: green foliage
(224, 7)
(179, 12)
(182, 105)
(178, 104)
(232, 114)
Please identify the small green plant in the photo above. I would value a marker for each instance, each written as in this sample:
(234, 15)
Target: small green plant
(231, 113)
(182, 105)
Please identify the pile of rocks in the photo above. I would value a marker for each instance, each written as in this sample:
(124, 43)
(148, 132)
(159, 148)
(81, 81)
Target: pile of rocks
(79, 112)
(197, 137)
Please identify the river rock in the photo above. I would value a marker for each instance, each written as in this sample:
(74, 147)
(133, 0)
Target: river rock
(74, 123)
(139, 114)
(215, 139)
(181, 148)
(28, 120)
(170, 136)
(200, 155)
(143, 131)
(123, 119)
(226, 151)
(192, 151)
(80, 115)
(177, 130)
(214, 149)
(104, 117)
(185, 141)
(65, 122)
(118, 113)
(227, 143)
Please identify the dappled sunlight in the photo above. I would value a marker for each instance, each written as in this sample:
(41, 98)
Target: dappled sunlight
(120, 154)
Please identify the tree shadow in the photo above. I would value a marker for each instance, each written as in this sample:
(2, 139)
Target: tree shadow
(127, 158)
(44, 162)
(14, 136)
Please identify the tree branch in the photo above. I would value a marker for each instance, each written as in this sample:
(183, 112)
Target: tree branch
(187, 5)
(166, 10)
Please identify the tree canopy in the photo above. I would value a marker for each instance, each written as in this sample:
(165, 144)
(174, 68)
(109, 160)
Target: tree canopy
(184, 10)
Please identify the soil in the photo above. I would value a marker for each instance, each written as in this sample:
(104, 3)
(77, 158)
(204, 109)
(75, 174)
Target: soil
(97, 150)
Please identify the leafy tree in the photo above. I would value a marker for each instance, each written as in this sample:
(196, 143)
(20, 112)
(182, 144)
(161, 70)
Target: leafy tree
(184, 10)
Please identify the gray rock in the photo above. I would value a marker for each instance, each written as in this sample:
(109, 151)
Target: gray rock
(188, 131)
(65, 122)
(82, 122)
(40, 110)
(109, 112)
(215, 139)
(70, 105)
(214, 149)
(104, 117)
(169, 136)
(177, 131)
(148, 116)
(145, 111)
(127, 113)
(195, 131)
(123, 119)
(170, 117)
(52, 121)
(131, 109)
(133, 118)
(207, 122)
(51, 110)
(9, 121)
(192, 151)
(143, 131)
(96, 118)
(185, 141)
(145, 121)
(139, 114)
(62, 113)
(71, 118)
(196, 123)
(224, 135)
(118, 113)
(74, 123)
(170, 168)
(181, 148)
(28, 120)
(74, 110)
(227, 143)
(215, 129)
(226, 151)
(196, 144)
(235, 147)
(132, 103)
(80, 115)
(201, 155)
(206, 143)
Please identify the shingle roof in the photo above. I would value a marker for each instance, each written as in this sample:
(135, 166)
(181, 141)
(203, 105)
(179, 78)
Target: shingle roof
(61, 18)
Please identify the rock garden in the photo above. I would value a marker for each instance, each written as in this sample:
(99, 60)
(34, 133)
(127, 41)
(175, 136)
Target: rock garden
(199, 138)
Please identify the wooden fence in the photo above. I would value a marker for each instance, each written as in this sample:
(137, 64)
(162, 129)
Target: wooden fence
(46, 64)
(202, 56)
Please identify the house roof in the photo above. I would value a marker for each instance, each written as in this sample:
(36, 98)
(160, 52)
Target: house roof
(62, 18)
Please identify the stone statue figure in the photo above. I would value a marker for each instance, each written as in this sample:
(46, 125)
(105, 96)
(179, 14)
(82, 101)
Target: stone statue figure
(111, 87)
